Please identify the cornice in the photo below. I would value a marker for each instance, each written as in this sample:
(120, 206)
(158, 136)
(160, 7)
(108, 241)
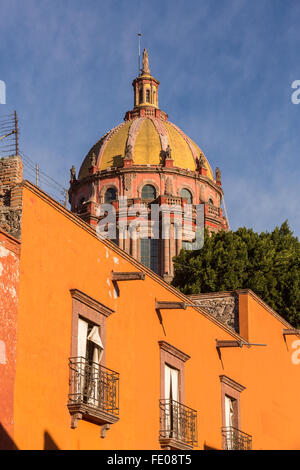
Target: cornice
(265, 306)
(90, 302)
(231, 383)
(117, 171)
(174, 351)
(10, 237)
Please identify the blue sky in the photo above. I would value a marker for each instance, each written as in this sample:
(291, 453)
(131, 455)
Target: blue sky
(225, 67)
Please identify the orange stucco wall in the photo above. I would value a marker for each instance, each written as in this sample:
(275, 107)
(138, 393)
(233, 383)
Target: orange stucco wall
(58, 254)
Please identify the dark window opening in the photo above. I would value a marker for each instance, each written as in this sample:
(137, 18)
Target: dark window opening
(186, 194)
(110, 195)
(148, 192)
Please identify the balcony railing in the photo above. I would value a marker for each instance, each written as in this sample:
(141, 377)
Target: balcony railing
(94, 391)
(234, 439)
(212, 210)
(178, 423)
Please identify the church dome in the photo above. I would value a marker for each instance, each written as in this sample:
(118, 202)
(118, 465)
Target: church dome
(144, 160)
(148, 139)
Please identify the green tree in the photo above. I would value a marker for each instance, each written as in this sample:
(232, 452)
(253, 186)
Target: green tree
(267, 263)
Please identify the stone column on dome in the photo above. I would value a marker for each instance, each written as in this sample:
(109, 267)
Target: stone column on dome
(136, 94)
(133, 243)
(138, 248)
(178, 240)
(166, 256)
(127, 243)
(172, 248)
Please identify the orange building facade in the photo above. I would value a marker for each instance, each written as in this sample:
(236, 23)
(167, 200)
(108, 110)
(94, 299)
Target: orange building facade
(110, 356)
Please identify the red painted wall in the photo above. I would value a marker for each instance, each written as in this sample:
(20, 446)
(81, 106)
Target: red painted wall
(9, 277)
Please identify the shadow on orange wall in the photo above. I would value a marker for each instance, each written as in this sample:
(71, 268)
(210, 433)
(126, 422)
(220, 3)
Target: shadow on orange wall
(49, 443)
(6, 442)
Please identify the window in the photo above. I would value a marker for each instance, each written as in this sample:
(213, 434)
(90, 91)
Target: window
(178, 423)
(90, 351)
(171, 383)
(149, 253)
(141, 95)
(148, 96)
(186, 194)
(94, 389)
(233, 437)
(148, 192)
(110, 195)
(210, 201)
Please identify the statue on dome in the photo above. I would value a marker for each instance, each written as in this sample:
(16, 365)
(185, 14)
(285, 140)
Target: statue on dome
(218, 175)
(168, 153)
(146, 68)
(201, 161)
(128, 152)
(93, 159)
(73, 174)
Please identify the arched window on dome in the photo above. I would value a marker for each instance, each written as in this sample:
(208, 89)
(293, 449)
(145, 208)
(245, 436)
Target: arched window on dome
(148, 192)
(110, 195)
(148, 96)
(210, 201)
(141, 95)
(186, 194)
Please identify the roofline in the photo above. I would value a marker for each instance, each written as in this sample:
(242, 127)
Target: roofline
(248, 292)
(88, 228)
(11, 237)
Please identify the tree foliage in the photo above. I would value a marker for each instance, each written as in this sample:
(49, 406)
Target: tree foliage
(267, 263)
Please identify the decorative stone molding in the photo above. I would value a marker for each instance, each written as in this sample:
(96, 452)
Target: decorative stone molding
(174, 351)
(127, 182)
(144, 183)
(104, 188)
(10, 221)
(231, 383)
(224, 307)
(186, 186)
(90, 302)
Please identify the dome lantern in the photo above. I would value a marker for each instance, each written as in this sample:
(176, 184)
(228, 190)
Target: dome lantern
(145, 90)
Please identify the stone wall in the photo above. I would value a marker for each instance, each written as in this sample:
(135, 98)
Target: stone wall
(223, 306)
(11, 176)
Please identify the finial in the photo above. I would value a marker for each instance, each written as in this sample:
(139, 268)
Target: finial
(139, 44)
(73, 174)
(146, 69)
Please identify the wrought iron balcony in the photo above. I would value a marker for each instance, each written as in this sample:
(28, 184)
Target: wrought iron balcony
(234, 439)
(94, 392)
(178, 425)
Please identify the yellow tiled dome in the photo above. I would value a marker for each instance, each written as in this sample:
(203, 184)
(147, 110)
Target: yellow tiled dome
(149, 138)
